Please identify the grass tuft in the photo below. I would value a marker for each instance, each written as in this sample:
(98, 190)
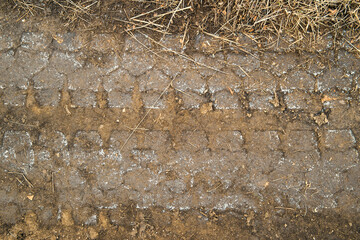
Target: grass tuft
(262, 19)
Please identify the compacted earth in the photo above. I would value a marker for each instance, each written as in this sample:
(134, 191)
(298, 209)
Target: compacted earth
(136, 136)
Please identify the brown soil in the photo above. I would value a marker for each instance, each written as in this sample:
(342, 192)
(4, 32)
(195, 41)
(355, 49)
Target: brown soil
(31, 201)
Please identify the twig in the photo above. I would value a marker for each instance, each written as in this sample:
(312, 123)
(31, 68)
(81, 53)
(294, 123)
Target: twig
(230, 41)
(139, 26)
(179, 10)
(213, 189)
(188, 94)
(143, 45)
(25, 125)
(52, 182)
(21, 183)
(25, 178)
(141, 129)
(192, 145)
(353, 45)
(149, 23)
(171, 18)
(146, 13)
(286, 208)
(183, 39)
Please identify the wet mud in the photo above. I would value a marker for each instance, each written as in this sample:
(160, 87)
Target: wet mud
(114, 136)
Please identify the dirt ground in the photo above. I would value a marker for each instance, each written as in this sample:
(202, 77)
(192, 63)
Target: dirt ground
(114, 135)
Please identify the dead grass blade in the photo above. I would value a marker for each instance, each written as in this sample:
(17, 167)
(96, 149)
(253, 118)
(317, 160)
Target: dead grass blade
(268, 21)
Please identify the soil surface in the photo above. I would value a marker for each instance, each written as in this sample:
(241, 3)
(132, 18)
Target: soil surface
(128, 136)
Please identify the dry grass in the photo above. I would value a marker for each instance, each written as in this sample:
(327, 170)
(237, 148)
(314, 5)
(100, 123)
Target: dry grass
(263, 19)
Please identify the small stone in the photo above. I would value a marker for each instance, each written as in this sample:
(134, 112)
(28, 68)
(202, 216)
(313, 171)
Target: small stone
(104, 220)
(66, 218)
(30, 197)
(205, 108)
(320, 119)
(31, 221)
(93, 234)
